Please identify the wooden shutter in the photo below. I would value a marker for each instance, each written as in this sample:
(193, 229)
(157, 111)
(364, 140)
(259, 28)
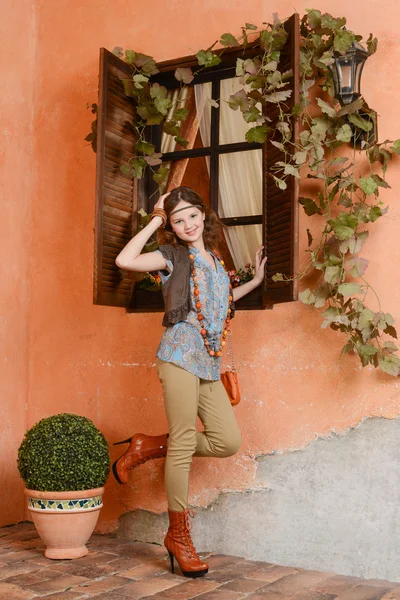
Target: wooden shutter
(116, 193)
(280, 218)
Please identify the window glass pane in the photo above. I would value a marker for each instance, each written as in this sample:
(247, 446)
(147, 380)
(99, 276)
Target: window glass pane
(192, 172)
(195, 100)
(232, 126)
(240, 184)
(240, 245)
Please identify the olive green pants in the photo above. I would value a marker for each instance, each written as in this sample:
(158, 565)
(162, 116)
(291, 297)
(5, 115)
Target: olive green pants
(186, 397)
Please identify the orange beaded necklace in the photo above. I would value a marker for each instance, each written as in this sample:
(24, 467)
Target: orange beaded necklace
(198, 306)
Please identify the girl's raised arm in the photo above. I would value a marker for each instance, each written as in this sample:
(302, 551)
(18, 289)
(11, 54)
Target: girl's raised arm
(257, 280)
(130, 257)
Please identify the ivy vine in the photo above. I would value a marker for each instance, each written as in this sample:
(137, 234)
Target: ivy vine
(330, 136)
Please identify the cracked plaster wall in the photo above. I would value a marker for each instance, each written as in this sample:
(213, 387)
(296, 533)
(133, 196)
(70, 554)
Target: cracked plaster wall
(332, 506)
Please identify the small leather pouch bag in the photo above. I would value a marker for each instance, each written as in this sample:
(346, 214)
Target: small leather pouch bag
(230, 378)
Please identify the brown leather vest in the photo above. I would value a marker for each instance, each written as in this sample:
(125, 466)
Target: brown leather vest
(176, 290)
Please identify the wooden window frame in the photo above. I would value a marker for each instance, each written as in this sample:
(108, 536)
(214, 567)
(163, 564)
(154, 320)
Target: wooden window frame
(280, 208)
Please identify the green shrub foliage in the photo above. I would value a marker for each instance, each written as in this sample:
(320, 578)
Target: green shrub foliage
(64, 452)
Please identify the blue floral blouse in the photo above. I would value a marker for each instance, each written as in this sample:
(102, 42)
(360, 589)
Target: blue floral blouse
(182, 344)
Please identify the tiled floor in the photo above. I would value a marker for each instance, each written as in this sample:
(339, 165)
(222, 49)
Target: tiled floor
(117, 570)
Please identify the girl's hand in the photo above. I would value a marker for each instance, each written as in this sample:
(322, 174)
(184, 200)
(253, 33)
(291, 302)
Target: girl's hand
(161, 200)
(259, 266)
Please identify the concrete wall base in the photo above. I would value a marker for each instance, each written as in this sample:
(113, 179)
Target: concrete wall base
(332, 506)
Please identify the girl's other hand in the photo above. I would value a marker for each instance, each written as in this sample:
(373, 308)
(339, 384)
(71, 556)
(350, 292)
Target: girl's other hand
(259, 266)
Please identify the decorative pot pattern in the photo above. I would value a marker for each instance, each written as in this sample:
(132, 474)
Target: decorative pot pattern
(65, 520)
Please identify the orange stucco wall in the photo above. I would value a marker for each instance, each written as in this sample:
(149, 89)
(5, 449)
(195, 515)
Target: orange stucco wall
(99, 361)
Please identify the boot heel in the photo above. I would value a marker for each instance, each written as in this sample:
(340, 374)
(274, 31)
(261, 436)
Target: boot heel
(114, 470)
(171, 558)
(123, 442)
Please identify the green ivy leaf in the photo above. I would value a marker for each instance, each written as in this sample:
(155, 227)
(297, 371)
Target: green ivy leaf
(300, 157)
(130, 56)
(314, 18)
(365, 318)
(266, 39)
(171, 128)
(239, 100)
(321, 295)
(278, 277)
(291, 170)
(357, 266)
(163, 105)
(365, 352)
(227, 39)
(280, 183)
(344, 225)
(207, 58)
(352, 107)
(145, 147)
(180, 114)
(240, 67)
(307, 297)
(150, 114)
(380, 182)
(332, 275)
(130, 88)
(126, 169)
(256, 81)
(251, 115)
(343, 40)
(326, 108)
(138, 80)
(390, 365)
(154, 160)
(384, 158)
(372, 44)
(390, 347)
(158, 91)
(146, 64)
(390, 330)
(329, 22)
(347, 348)
(360, 122)
(118, 51)
(368, 185)
(344, 134)
(374, 213)
(310, 207)
(251, 26)
(161, 175)
(184, 74)
(278, 145)
(181, 141)
(396, 147)
(349, 289)
(276, 97)
(138, 166)
(257, 134)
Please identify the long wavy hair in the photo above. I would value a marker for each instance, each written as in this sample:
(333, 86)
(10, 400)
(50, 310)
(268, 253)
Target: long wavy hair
(212, 224)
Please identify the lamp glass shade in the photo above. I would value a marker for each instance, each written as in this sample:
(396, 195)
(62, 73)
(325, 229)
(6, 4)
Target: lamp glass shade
(346, 73)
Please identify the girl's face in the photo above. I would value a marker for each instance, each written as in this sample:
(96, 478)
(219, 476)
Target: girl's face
(187, 224)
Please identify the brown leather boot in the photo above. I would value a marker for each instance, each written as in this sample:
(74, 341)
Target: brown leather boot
(142, 448)
(180, 546)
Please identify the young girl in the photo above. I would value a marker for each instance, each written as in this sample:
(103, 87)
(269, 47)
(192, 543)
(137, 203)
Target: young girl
(198, 301)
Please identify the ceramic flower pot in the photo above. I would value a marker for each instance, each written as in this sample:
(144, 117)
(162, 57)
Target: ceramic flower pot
(65, 520)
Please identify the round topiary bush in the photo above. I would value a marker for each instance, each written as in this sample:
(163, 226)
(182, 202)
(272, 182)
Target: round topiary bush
(62, 453)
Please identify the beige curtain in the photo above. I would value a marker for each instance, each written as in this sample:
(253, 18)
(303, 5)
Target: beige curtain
(240, 173)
